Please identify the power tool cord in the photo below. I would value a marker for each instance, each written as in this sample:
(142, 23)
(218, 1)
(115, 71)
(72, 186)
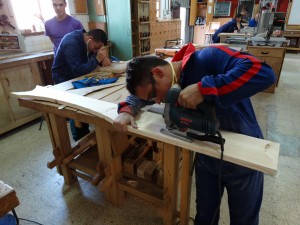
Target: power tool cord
(219, 178)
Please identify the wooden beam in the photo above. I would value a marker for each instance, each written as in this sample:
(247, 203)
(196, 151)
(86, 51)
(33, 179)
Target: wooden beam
(254, 153)
(185, 190)
(62, 140)
(8, 199)
(113, 166)
(170, 183)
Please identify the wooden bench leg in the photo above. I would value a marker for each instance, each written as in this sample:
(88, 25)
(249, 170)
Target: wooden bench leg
(170, 183)
(61, 140)
(112, 165)
(186, 182)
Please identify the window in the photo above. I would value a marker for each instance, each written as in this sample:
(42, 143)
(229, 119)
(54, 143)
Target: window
(163, 9)
(31, 14)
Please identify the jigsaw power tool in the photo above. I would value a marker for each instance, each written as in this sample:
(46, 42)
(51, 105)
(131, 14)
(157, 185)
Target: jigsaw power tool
(189, 124)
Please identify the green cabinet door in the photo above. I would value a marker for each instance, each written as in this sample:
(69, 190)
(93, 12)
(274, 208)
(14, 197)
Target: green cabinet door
(119, 28)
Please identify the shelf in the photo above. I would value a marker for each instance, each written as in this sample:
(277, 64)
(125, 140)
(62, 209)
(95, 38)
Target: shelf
(86, 162)
(292, 35)
(10, 50)
(293, 49)
(202, 3)
(9, 42)
(144, 2)
(148, 22)
(8, 35)
(145, 53)
(143, 189)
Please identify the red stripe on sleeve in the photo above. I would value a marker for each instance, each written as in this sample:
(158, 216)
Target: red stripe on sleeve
(240, 81)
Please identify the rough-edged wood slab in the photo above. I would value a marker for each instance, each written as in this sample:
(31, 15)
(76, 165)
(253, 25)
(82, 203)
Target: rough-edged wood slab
(8, 198)
(254, 153)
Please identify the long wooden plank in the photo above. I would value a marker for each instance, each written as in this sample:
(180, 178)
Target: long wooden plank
(254, 153)
(185, 184)
(170, 183)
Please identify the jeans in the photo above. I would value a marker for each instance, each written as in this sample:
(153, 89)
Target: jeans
(79, 132)
(244, 187)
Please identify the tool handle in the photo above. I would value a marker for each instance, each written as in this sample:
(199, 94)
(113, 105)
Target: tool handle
(209, 138)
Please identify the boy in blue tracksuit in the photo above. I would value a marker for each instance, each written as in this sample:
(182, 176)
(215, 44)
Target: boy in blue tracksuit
(230, 27)
(78, 54)
(227, 78)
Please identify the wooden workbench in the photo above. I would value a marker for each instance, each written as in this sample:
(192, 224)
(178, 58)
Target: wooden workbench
(224, 36)
(107, 172)
(104, 169)
(170, 52)
(21, 72)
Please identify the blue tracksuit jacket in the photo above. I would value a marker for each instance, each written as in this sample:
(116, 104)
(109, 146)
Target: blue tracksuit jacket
(226, 77)
(72, 59)
(229, 27)
(252, 23)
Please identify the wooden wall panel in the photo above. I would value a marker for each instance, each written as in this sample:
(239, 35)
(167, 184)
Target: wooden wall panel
(100, 7)
(162, 31)
(97, 25)
(81, 6)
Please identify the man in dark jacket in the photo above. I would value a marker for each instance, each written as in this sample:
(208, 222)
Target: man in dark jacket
(78, 54)
(230, 27)
(228, 79)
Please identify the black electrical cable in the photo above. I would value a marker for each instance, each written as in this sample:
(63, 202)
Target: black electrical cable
(219, 178)
(30, 221)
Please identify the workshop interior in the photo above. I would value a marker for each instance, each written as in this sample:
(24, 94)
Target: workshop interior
(149, 112)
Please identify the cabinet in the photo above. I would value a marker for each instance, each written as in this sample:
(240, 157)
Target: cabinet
(136, 30)
(119, 28)
(273, 57)
(140, 16)
(9, 43)
(18, 78)
(202, 10)
(21, 73)
(81, 6)
(199, 34)
(294, 37)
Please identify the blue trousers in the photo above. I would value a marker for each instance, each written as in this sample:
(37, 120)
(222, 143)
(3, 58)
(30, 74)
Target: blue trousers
(79, 132)
(244, 187)
(8, 219)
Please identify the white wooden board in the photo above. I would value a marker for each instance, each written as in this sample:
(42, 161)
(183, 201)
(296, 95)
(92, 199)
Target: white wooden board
(254, 153)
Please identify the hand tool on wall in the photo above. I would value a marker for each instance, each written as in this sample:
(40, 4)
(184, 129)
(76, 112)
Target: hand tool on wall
(5, 22)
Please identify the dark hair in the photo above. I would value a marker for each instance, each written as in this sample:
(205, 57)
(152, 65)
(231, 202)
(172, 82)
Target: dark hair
(138, 71)
(238, 16)
(98, 35)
